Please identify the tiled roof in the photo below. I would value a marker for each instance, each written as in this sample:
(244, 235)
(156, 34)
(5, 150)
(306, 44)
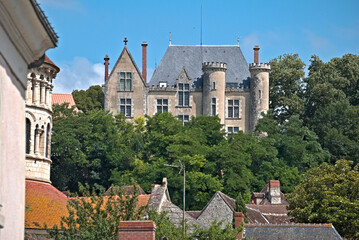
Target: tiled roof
(230, 201)
(44, 203)
(60, 98)
(275, 214)
(191, 57)
(48, 61)
(291, 231)
(194, 214)
(126, 190)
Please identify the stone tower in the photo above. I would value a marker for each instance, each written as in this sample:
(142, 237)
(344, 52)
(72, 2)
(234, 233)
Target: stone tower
(259, 91)
(39, 120)
(214, 85)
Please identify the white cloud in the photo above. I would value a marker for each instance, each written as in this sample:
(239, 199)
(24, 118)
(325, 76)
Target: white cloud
(78, 74)
(315, 41)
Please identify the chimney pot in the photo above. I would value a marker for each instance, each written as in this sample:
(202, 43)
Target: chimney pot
(144, 61)
(106, 67)
(256, 53)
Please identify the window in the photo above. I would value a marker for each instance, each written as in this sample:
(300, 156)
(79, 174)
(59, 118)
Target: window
(28, 129)
(183, 94)
(162, 105)
(232, 130)
(233, 108)
(47, 147)
(183, 118)
(213, 85)
(259, 94)
(214, 107)
(125, 81)
(125, 106)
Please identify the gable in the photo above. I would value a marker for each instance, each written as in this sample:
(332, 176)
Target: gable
(125, 62)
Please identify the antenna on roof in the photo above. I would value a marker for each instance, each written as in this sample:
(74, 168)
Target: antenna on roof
(170, 39)
(201, 24)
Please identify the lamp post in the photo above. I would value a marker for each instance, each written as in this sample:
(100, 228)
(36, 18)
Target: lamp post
(182, 167)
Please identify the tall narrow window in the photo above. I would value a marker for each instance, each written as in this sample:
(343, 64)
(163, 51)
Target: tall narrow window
(162, 105)
(48, 132)
(125, 106)
(183, 118)
(233, 109)
(183, 94)
(214, 106)
(125, 81)
(28, 135)
(213, 85)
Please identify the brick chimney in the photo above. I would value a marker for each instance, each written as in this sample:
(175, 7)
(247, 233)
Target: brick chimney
(137, 230)
(256, 53)
(106, 66)
(144, 61)
(274, 192)
(238, 220)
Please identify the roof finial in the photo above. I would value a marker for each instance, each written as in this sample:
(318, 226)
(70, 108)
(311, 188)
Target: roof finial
(170, 39)
(125, 41)
(238, 40)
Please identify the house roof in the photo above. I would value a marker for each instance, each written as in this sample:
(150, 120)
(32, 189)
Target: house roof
(266, 214)
(60, 98)
(44, 204)
(48, 61)
(126, 190)
(291, 231)
(191, 57)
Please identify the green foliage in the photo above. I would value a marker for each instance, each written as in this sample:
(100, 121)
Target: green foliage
(164, 227)
(216, 231)
(286, 86)
(95, 216)
(329, 194)
(91, 99)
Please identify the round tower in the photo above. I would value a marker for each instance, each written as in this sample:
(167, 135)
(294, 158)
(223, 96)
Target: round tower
(214, 84)
(39, 120)
(259, 89)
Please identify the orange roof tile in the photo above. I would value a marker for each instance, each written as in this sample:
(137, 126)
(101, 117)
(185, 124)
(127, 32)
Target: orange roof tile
(48, 61)
(44, 204)
(60, 98)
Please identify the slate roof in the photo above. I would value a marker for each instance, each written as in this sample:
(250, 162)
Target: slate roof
(191, 58)
(291, 231)
(126, 190)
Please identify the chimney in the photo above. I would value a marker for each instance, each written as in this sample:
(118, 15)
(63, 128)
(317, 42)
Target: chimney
(238, 220)
(256, 53)
(133, 230)
(106, 67)
(274, 192)
(144, 61)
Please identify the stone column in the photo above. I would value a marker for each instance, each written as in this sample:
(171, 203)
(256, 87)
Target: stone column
(36, 91)
(32, 140)
(29, 90)
(38, 132)
(42, 89)
(47, 95)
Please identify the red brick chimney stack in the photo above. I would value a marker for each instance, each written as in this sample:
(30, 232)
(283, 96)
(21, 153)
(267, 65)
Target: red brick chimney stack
(238, 220)
(144, 61)
(137, 230)
(106, 66)
(256, 53)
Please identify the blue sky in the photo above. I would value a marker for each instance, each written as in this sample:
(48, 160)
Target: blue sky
(90, 29)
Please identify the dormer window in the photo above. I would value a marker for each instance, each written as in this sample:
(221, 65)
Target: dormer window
(163, 84)
(125, 81)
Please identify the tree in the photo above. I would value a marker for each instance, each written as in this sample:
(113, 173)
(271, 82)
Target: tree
(286, 86)
(96, 217)
(329, 194)
(216, 231)
(91, 99)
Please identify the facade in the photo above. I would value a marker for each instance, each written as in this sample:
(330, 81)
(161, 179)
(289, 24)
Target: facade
(191, 81)
(25, 35)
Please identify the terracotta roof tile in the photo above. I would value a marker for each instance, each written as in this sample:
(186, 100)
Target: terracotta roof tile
(60, 98)
(45, 204)
(48, 61)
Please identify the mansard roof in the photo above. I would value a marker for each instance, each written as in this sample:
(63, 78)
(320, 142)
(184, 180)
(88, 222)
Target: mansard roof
(191, 58)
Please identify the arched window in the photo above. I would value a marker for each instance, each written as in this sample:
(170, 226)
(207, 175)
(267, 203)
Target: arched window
(48, 144)
(28, 129)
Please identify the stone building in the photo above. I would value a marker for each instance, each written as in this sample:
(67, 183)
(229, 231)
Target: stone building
(191, 81)
(25, 35)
